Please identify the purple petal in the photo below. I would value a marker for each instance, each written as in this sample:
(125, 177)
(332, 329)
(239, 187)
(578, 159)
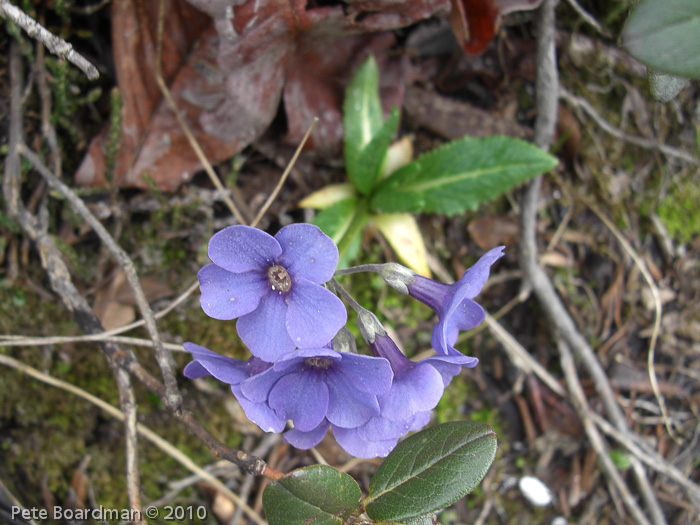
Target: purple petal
(259, 413)
(194, 370)
(227, 295)
(257, 388)
(307, 440)
(419, 421)
(475, 277)
(264, 330)
(314, 316)
(367, 373)
(307, 253)
(380, 428)
(225, 369)
(354, 444)
(416, 390)
(347, 406)
(241, 248)
(465, 316)
(303, 398)
(448, 370)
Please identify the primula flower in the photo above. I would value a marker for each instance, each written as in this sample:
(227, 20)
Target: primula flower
(274, 286)
(417, 386)
(313, 384)
(452, 303)
(234, 371)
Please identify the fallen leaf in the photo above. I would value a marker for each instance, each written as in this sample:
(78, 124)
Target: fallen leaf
(493, 230)
(404, 236)
(229, 85)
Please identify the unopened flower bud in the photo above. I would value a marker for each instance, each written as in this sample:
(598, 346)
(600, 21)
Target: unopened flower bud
(344, 341)
(397, 276)
(369, 326)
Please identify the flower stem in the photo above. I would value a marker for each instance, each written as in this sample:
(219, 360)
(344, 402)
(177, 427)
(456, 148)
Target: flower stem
(359, 269)
(346, 296)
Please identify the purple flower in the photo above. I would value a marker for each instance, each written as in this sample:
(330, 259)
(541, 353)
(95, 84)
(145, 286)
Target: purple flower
(452, 303)
(417, 386)
(274, 286)
(234, 371)
(311, 385)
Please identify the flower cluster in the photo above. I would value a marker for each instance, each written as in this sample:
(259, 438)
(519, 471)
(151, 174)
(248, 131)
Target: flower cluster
(305, 369)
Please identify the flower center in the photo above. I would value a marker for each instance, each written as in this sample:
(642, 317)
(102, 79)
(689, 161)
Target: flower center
(279, 279)
(318, 362)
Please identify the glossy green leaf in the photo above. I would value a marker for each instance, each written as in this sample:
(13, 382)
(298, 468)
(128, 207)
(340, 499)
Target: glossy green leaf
(318, 495)
(362, 114)
(431, 470)
(665, 35)
(343, 222)
(371, 159)
(461, 175)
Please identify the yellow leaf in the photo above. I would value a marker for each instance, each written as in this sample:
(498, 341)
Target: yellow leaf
(328, 196)
(399, 154)
(401, 230)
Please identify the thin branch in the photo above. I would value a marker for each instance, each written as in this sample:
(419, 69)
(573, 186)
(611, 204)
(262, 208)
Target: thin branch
(657, 313)
(555, 310)
(284, 176)
(183, 124)
(56, 45)
(587, 107)
(127, 402)
(587, 17)
(582, 409)
(172, 394)
(151, 436)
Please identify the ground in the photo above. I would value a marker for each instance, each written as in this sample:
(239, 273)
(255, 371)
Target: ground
(617, 231)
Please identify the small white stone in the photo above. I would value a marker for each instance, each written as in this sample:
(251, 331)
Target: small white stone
(560, 520)
(535, 491)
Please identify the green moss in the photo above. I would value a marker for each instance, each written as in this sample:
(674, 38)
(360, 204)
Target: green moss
(680, 213)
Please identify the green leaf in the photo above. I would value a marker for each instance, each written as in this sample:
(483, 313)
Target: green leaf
(461, 175)
(665, 35)
(342, 222)
(318, 494)
(362, 114)
(371, 159)
(431, 470)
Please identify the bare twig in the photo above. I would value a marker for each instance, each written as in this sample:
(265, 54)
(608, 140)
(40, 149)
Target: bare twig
(563, 324)
(284, 176)
(172, 395)
(151, 436)
(581, 406)
(128, 405)
(657, 312)
(56, 45)
(183, 124)
(587, 107)
(587, 17)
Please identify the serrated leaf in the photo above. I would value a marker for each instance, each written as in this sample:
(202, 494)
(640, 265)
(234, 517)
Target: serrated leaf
(665, 36)
(362, 114)
(404, 236)
(461, 175)
(328, 196)
(371, 159)
(431, 470)
(318, 494)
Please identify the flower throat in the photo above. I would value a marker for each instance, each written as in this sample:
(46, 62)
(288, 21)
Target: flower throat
(279, 279)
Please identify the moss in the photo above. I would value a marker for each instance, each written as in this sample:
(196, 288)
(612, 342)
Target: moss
(680, 213)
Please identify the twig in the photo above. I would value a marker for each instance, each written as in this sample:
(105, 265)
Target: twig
(648, 456)
(563, 324)
(657, 312)
(183, 124)
(284, 176)
(588, 108)
(56, 45)
(128, 404)
(521, 357)
(151, 436)
(20, 340)
(172, 395)
(582, 409)
(587, 17)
